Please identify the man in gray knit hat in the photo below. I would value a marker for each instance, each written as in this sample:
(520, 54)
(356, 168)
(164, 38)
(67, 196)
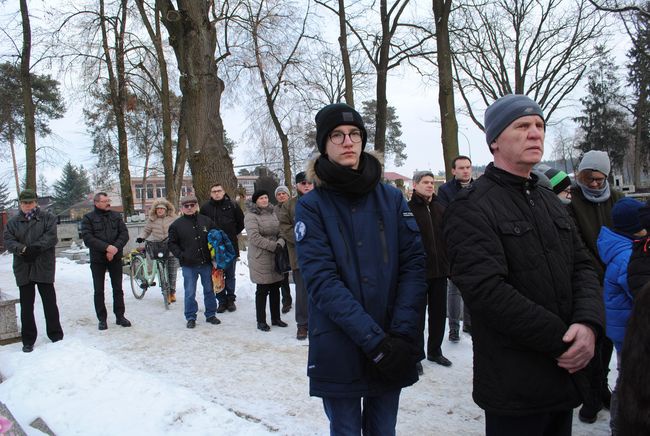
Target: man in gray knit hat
(523, 272)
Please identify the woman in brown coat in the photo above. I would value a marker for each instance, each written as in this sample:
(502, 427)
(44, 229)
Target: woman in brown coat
(262, 228)
(161, 215)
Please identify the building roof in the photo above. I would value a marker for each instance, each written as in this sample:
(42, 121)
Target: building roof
(392, 176)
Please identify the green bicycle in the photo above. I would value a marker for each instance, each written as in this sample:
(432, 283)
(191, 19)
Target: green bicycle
(147, 265)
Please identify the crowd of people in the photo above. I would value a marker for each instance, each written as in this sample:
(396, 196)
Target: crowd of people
(548, 276)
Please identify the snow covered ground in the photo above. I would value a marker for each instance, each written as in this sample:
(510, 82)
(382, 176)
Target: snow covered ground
(159, 377)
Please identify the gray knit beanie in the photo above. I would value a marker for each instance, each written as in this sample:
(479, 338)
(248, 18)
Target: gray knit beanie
(505, 110)
(281, 188)
(595, 160)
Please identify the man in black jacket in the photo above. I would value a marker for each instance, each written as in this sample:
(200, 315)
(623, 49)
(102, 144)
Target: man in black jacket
(527, 278)
(227, 216)
(461, 168)
(31, 237)
(105, 234)
(428, 212)
(188, 240)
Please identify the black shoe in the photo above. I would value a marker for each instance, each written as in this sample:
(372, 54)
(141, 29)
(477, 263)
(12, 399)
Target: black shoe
(286, 308)
(231, 306)
(221, 308)
(263, 326)
(123, 322)
(279, 323)
(440, 360)
(589, 411)
(454, 336)
(191, 323)
(419, 368)
(28, 348)
(102, 325)
(213, 320)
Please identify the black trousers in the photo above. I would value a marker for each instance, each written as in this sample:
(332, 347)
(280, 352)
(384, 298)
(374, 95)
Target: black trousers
(437, 311)
(286, 291)
(261, 291)
(27, 321)
(114, 269)
(543, 424)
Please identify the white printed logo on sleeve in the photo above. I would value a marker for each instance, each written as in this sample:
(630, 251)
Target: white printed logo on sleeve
(299, 230)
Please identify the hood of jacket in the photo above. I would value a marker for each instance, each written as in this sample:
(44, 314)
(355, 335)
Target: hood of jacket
(171, 210)
(254, 208)
(611, 244)
(311, 171)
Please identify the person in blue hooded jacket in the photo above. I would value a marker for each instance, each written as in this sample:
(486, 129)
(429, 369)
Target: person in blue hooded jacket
(615, 250)
(362, 261)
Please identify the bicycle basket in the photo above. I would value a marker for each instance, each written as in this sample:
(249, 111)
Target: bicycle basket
(157, 250)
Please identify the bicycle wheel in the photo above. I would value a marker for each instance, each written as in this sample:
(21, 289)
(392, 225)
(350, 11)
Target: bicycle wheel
(164, 282)
(138, 281)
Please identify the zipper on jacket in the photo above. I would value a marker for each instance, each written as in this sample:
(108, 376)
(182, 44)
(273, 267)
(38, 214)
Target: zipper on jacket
(382, 237)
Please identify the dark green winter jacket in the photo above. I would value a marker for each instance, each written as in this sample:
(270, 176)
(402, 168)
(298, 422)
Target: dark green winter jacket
(589, 218)
(40, 231)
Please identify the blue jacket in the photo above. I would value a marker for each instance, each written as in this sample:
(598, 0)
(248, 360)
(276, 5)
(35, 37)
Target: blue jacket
(615, 250)
(363, 266)
(448, 191)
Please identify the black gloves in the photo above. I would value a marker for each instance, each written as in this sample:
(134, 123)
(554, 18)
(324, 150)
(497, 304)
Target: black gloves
(392, 359)
(279, 248)
(31, 253)
(139, 240)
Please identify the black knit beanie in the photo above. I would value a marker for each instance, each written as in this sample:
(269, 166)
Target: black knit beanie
(334, 115)
(258, 194)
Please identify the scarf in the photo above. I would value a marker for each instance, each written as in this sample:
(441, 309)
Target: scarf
(29, 215)
(351, 183)
(600, 195)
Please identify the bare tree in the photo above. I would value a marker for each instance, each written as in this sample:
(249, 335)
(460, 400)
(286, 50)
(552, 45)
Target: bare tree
(394, 41)
(446, 103)
(541, 49)
(28, 101)
(276, 34)
(192, 28)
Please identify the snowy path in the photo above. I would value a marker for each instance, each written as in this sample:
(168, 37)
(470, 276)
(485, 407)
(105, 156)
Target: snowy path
(160, 378)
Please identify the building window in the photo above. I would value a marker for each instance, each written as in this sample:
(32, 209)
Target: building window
(160, 191)
(138, 191)
(150, 189)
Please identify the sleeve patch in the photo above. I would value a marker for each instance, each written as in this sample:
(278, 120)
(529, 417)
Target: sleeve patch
(407, 214)
(299, 230)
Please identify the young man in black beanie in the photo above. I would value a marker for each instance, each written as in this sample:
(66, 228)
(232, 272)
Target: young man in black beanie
(527, 279)
(362, 261)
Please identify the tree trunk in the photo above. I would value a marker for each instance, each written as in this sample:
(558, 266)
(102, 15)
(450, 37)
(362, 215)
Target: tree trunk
(28, 102)
(13, 160)
(449, 125)
(168, 163)
(345, 55)
(638, 136)
(382, 77)
(193, 38)
(117, 85)
(179, 165)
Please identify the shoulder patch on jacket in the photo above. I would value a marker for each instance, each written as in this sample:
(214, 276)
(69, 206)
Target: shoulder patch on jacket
(299, 230)
(407, 214)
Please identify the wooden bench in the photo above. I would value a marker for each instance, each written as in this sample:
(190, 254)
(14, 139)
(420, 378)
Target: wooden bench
(9, 332)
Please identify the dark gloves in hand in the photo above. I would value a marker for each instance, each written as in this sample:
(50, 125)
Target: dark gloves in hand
(31, 253)
(279, 248)
(139, 240)
(392, 358)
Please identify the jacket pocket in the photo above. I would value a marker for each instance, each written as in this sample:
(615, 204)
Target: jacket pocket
(520, 245)
(334, 357)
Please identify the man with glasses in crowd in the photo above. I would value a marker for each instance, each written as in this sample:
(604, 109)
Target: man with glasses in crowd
(31, 237)
(227, 216)
(361, 257)
(286, 215)
(105, 234)
(188, 240)
(591, 208)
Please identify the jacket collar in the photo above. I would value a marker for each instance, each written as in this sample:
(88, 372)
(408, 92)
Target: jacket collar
(507, 179)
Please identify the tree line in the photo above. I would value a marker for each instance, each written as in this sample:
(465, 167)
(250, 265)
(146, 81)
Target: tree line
(154, 77)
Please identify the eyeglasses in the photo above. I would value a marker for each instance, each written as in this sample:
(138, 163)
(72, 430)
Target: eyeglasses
(338, 138)
(189, 205)
(597, 180)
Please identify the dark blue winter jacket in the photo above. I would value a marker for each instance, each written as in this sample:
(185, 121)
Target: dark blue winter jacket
(363, 265)
(615, 250)
(448, 191)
